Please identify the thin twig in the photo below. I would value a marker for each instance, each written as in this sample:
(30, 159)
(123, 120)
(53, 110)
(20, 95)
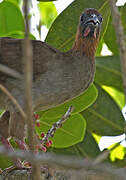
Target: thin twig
(28, 69)
(104, 155)
(27, 51)
(57, 125)
(120, 40)
(13, 100)
(10, 72)
(49, 158)
(100, 158)
(63, 161)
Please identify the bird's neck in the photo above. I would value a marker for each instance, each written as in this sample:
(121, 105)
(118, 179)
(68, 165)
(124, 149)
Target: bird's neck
(86, 46)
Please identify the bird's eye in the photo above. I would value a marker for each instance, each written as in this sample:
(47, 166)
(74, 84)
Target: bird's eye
(100, 18)
(82, 17)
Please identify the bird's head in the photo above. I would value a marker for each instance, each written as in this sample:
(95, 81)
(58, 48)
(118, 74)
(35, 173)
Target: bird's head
(88, 33)
(90, 23)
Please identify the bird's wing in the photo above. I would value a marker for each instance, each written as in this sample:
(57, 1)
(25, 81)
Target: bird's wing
(11, 55)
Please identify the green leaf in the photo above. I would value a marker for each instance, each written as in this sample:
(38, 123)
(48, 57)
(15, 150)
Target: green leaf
(123, 12)
(1, 111)
(5, 162)
(99, 48)
(106, 12)
(46, 0)
(119, 163)
(96, 137)
(11, 18)
(108, 72)
(104, 116)
(110, 38)
(117, 153)
(70, 133)
(17, 2)
(87, 148)
(62, 33)
(18, 35)
(48, 13)
(118, 96)
(79, 103)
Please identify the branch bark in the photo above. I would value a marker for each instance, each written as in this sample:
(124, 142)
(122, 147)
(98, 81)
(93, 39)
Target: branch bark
(10, 72)
(63, 174)
(120, 40)
(13, 100)
(63, 167)
(28, 74)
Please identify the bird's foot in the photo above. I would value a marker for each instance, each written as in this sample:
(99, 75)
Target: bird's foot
(17, 162)
(18, 165)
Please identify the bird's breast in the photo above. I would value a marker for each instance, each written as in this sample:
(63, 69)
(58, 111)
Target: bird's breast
(62, 82)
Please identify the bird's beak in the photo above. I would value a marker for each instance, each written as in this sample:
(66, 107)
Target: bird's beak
(91, 25)
(93, 21)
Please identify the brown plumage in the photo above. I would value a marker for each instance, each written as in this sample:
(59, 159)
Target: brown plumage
(58, 76)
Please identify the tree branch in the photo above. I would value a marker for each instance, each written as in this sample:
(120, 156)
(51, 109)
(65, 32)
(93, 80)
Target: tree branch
(57, 125)
(13, 100)
(28, 69)
(10, 72)
(120, 40)
(81, 168)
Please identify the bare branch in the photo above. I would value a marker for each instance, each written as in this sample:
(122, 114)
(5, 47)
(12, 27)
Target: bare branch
(101, 157)
(104, 155)
(57, 125)
(27, 51)
(61, 162)
(120, 40)
(10, 72)
(13, 100)
(28, 69)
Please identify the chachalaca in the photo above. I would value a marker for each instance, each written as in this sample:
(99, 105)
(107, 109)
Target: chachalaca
(57, 76)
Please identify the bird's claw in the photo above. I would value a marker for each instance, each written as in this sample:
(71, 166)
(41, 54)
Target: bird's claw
(22, 166)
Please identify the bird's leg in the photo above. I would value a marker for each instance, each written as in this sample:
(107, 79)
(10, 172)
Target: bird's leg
(4, 133)
(8, 146)
(18, 123)
(23, 146)
(17, 162)
(4, 138)
(17, 131)
(4, 125)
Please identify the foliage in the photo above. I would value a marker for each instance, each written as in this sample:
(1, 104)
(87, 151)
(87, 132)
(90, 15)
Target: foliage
(9, 14)
(45, 0)
(68, 134)
(48, 13)
(103, 117)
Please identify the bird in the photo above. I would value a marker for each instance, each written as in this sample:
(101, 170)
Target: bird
(57, 76)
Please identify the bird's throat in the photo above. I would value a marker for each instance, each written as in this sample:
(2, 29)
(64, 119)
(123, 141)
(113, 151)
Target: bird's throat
(85, 45)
